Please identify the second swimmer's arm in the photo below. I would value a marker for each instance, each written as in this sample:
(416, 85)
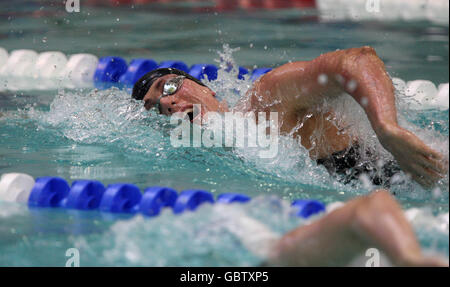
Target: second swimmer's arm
(374, 221)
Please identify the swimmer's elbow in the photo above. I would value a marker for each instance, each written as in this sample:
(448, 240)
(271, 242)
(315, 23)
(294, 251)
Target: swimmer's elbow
(356, 60)
(345, 62)
(360, 52)
(367, 50)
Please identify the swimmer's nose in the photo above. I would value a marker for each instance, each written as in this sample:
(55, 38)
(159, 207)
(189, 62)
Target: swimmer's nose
(169, 105)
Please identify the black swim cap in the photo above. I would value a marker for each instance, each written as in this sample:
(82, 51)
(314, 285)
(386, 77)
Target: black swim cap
(142, 86)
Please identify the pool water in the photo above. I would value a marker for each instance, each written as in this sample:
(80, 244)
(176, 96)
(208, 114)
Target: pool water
(104, 135)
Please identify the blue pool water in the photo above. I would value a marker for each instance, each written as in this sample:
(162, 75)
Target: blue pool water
(104, 135)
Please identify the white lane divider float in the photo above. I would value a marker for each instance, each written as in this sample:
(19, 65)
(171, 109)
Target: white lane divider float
(20, 63)
(79, 71)
(442, 97)
(47, 72)
(19, 66)
(27, 70)
(49, 65)
(425, 217)
(436, 11)
(423, 94)
(16, 187)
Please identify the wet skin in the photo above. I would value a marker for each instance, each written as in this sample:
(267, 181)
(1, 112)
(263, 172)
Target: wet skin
(189, 94)
(294, 91)
(373, 221)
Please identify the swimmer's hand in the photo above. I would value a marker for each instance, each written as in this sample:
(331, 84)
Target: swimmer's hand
(425, 165)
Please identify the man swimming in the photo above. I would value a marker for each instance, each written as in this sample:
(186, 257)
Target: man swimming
(295, 91)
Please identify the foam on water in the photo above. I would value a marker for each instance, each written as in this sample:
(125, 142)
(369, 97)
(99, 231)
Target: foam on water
(110, 118)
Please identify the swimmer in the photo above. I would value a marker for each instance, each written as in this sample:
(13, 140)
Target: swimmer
(348, 231)
(297, 91)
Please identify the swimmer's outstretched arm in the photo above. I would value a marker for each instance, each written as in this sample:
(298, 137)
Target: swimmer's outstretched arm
(374, 221)
(299, 86)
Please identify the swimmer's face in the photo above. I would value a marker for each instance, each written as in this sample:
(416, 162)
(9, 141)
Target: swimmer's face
(188, 94)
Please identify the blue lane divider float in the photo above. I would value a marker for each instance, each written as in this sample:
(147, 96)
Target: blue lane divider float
(305, 208)
(191, 199)
(48, 192)
(113, 71)
(155, 198)
(136, 69)
(121, 198)
(84, 195)
(200, 71)
(110, 69)
(242, 72)
(125, 197)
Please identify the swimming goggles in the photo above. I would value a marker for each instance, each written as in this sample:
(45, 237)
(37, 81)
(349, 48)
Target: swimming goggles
(171, 86)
